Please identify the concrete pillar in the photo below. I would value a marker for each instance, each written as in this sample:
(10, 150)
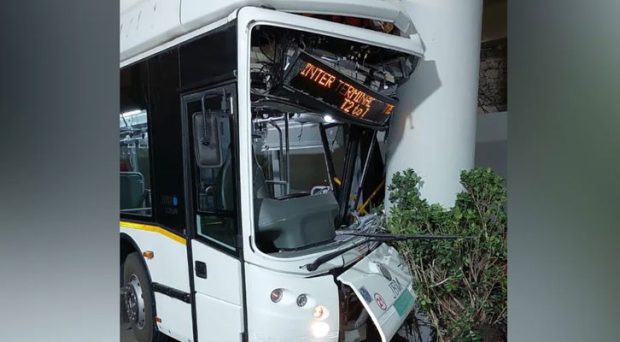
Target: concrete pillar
(434, 129)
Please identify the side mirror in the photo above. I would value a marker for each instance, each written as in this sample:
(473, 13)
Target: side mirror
(208, 129)
(207, 140)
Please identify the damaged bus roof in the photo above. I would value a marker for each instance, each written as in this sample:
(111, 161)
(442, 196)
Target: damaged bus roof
(145, 25)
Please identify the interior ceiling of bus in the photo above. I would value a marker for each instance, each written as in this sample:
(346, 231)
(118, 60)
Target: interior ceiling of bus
(273, 49)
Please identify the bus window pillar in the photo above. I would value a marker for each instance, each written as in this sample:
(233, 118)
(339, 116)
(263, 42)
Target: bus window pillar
(434, 128)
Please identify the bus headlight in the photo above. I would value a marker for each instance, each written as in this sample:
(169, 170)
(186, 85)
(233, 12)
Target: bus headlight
(302, 299)
(276, 295)
(320, 312)
(319, 329)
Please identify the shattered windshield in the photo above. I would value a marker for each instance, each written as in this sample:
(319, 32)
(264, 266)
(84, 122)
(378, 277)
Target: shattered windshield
(320, 108)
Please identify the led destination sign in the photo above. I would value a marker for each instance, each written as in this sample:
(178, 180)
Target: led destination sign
(343, 95)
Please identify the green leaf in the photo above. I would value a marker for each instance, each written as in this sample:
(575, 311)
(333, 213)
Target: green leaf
(479, 212)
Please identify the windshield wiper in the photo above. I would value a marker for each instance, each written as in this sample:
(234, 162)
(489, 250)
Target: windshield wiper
(377, 237)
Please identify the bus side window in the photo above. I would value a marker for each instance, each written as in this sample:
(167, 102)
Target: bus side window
(135, 175)
(134, 164)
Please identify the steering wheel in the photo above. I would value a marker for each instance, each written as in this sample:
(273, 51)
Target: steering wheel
(293, 195)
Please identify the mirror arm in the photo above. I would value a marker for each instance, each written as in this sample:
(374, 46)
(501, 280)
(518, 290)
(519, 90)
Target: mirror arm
(206, 138)
(224, 101)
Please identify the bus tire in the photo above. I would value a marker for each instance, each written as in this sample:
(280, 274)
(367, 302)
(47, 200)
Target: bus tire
(139, 300)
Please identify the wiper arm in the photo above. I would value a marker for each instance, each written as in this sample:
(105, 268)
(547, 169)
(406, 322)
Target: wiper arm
(326, 257)
(404, 237)
(380, 237)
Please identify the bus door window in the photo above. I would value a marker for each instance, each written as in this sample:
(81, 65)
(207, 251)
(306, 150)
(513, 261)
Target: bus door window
(213, 168)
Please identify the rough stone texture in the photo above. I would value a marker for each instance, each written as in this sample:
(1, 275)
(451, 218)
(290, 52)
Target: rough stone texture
(492, 87)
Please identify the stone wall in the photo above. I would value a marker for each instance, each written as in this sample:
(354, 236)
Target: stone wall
(492, 89)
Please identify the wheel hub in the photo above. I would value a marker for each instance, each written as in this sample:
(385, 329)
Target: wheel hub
(134, 302)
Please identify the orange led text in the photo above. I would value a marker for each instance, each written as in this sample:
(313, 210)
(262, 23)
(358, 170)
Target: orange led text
(318, 75)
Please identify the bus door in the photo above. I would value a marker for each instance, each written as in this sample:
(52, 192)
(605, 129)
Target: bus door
(211, 190)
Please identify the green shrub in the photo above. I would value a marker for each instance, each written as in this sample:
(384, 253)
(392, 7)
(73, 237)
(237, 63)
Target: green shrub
(461, 284)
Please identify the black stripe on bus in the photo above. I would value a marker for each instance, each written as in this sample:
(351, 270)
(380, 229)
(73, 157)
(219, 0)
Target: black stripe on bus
(172, 292)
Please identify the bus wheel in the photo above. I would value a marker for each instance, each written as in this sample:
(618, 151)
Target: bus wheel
(138, 301)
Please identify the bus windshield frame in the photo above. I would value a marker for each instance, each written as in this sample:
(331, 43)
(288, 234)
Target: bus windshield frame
(362, 134)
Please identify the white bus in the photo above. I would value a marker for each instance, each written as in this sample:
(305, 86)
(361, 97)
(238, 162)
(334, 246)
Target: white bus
(251, 158)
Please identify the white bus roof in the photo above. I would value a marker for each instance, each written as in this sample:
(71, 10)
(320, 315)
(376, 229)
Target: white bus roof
(145, 24)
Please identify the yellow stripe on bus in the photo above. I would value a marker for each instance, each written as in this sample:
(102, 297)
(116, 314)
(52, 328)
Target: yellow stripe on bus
(155, 229)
